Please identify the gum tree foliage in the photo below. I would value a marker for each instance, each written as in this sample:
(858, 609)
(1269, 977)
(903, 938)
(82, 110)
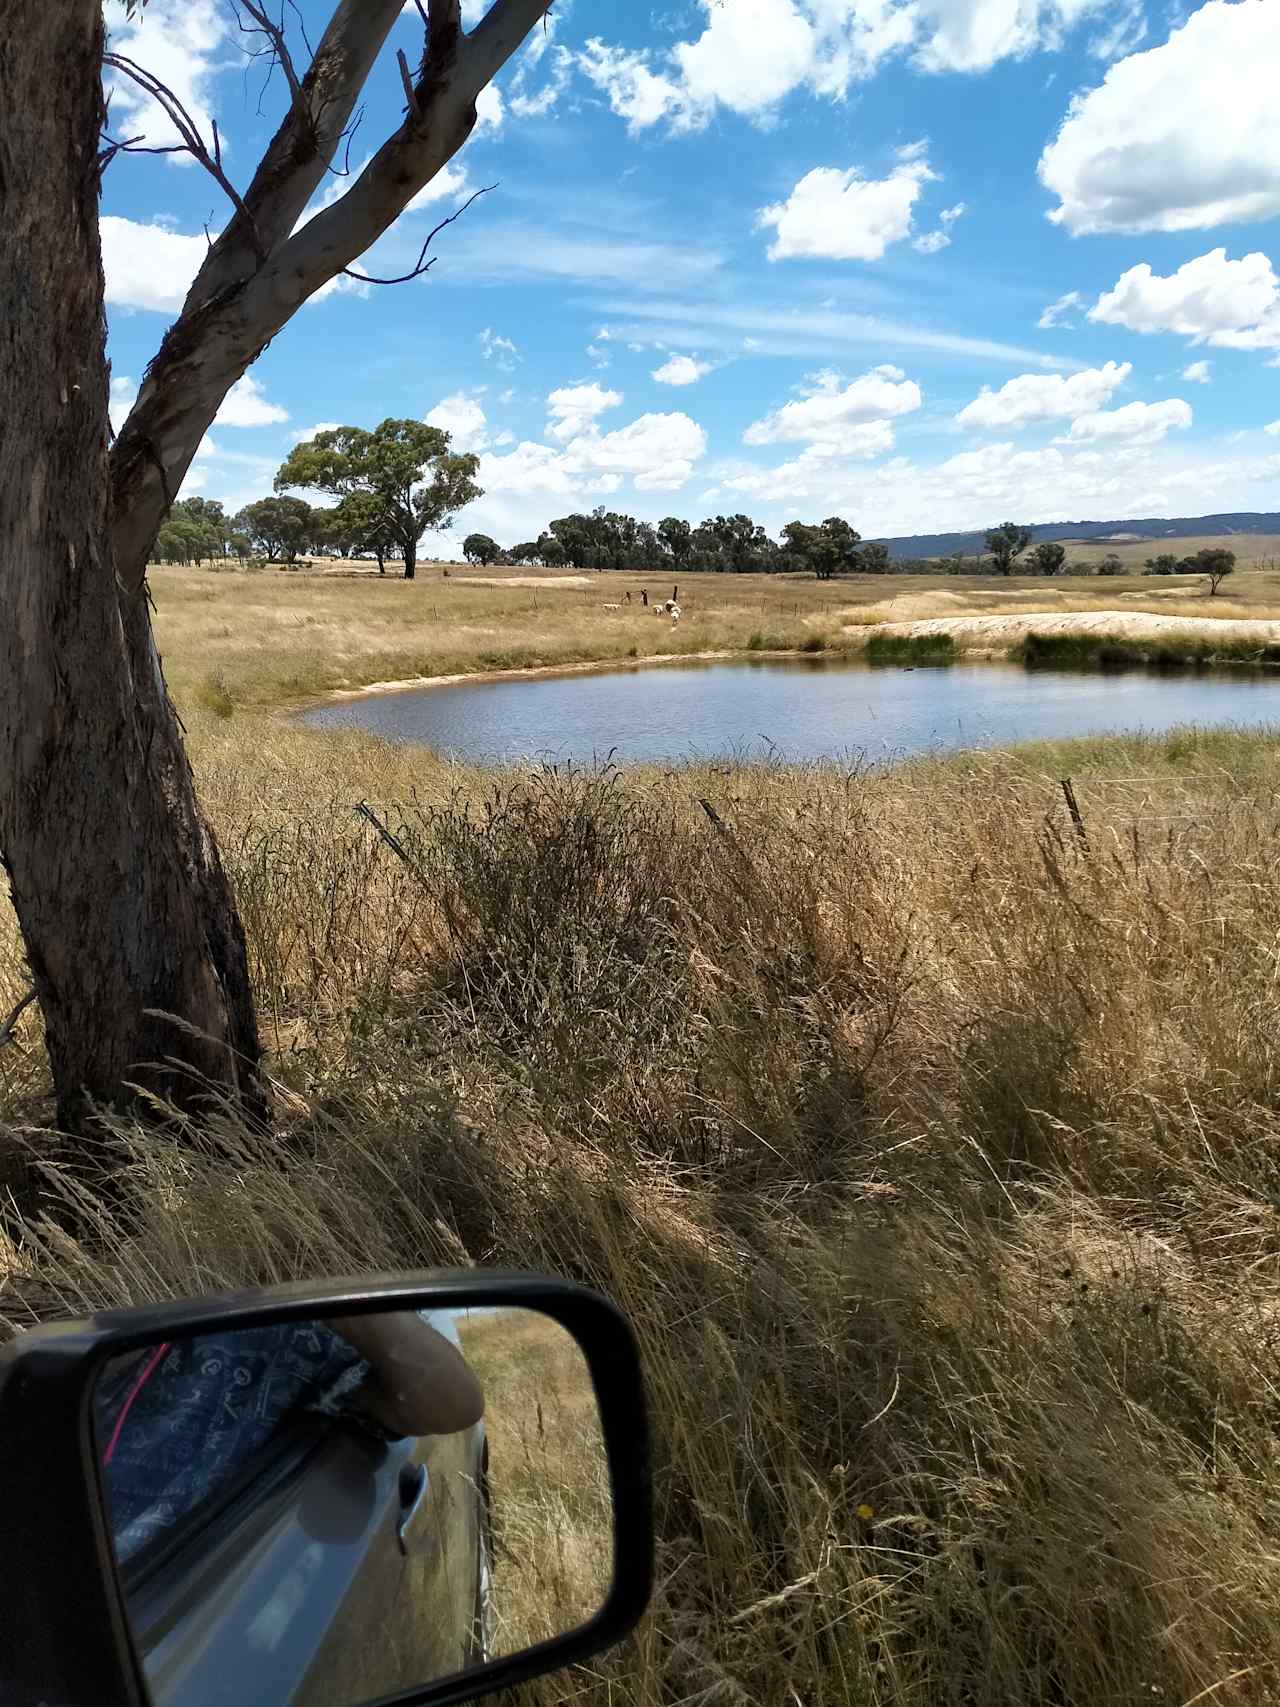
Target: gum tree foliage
(1047, 558)
(1006, 544)
(479, 548)
(404, 466)
(280, 528)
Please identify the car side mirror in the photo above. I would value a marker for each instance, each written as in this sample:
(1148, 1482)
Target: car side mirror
(416, 1489)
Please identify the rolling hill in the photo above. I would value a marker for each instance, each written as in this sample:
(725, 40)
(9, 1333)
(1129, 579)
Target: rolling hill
(1130, 528)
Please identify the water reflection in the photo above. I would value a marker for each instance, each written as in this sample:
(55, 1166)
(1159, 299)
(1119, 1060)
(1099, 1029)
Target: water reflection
(803, 709)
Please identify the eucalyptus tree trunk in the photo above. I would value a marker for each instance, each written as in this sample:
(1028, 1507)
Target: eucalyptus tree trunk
(135, 946)
(121, 897)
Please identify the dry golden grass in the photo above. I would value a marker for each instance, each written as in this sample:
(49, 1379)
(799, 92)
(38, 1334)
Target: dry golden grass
(934, 1154)
(552, 1554)
(242, 642)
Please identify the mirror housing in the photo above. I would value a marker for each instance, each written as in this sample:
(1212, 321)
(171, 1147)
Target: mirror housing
(64, 1600)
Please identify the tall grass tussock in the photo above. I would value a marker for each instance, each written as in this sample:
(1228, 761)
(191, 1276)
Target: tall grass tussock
(932, 1148)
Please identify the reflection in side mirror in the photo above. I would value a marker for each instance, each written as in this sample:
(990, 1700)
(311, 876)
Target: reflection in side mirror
(551, 1514)
(319, 1513)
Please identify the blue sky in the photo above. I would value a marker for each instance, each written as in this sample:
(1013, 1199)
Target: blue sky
(921, 263)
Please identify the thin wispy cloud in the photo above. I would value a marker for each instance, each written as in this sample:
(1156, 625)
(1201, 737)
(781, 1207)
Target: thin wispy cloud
(779, 330)
(510, 250)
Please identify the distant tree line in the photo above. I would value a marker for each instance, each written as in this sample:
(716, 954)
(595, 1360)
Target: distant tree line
(393, 483)
(608, 540)
(275, 530)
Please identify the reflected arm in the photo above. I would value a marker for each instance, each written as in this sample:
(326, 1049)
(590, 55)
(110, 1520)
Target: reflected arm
(418, 1383)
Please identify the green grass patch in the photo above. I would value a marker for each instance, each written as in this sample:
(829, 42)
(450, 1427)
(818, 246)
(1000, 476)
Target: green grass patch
(213, 694)
(911, 649)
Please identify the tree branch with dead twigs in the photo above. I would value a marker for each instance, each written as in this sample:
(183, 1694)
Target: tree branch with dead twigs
(435, 231)
(192, 142)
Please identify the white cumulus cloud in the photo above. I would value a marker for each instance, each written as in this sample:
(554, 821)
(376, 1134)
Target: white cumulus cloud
(974, 35)
(818, 468)
(681, 370)
(748, 56)
(246, 405)
(1197, 372)
(572, 409)
(1135, 423)
(634, 91)
(657, 451)
(839, 215)
(1209, 299)
(490, 114)
(299, 435)
(181, 43)
(1178, 138)
(1042, 397)
(147, 265)
(462, 417)
(527, 470)
(831, 409)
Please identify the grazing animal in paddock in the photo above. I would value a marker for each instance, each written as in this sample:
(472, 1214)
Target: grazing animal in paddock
(675, 612)
(610, 607)
(644, 597)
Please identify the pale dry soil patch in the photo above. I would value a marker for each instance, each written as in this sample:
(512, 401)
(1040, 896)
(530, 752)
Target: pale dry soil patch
(995, 633)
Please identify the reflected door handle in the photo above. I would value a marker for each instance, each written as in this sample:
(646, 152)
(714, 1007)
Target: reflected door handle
(414, 1482)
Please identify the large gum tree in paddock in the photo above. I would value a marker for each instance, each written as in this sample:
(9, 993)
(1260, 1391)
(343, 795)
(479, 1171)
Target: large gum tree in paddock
(136, 950)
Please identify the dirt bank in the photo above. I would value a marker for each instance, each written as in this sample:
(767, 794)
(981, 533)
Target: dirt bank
(588, 668)
(997, 633)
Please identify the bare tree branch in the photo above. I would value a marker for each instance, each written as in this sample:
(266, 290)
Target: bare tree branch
(419, 268)
(299, 155)
(408, 161)
(132, 145)
(278, 48)
(498, 34)
(15, 1014)
(348, 137)
(302, 26)
(410, 93)
(192, 142)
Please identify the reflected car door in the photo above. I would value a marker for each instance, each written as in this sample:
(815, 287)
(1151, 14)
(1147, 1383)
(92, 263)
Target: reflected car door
(338, 1569)
(414, 1608)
